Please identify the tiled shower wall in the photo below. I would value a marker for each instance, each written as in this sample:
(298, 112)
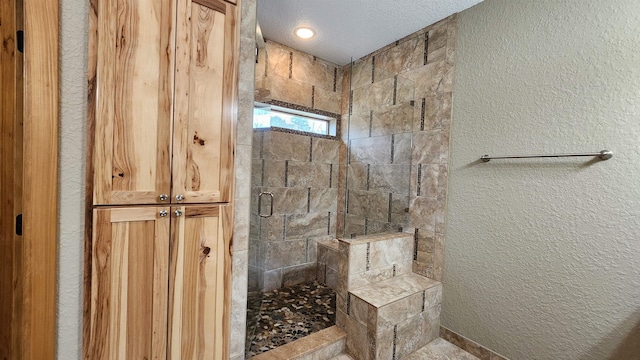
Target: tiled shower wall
(400, 125)
(293, 77)
(302, 173)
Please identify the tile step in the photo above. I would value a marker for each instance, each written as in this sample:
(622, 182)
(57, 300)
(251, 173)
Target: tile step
(440, 349)
(396, 288)
(322, 345)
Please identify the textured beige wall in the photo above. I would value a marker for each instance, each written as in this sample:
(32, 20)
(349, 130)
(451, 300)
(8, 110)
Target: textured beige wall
(74, 31)
(542, 257)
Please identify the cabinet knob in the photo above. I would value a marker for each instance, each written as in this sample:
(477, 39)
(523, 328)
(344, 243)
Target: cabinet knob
(164, 197)
(179, 197)
(178, 213)
(163, 213)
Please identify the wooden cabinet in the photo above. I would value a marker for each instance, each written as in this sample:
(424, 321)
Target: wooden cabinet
(162, 109)
(164, 104)
(158, 286)
(129, 284)
(200, 263)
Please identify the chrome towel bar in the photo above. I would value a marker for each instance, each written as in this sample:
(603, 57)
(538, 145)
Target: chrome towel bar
(602, 155)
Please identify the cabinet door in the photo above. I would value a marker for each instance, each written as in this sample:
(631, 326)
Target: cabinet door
(129, 284)
(132, 100)
(205, 101)
(200, 278)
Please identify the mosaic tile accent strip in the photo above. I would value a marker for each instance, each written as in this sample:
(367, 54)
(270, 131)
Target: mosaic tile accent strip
(288, 314)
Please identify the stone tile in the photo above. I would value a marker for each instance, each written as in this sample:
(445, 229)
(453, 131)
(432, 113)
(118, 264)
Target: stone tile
(284, 253)
(423, 269)
(357, 176)
(437, 44)
(402, 144)
(318, 72)
(429, 78)
(272, 279)
(388, 253)
(326, 100)
(274, 173)
(389, 178)
(422, 213)
(241, 224)
(392, 120)
(377, 96)
(239, 299)
(285, 201)
(440, 349)
(331, 278)
(307, 225)
(345, 85)
(407, 55)
(399, 211)
(359, 310)
(357, 341)
(323, 200)
(286, 146)
(438, 257)
(361, 73)
(465, 344)
(279, 59)
(298, 274)
(325, 151)
(374, 150)
(394, 289)
(256, 172)
(359, 125)
(441, 211)
(289, 91)
(432, 297)
(369, 204)
(427, 147)
(254, 225)
(405, 90)
(256, 144)
(357, 262)
(272, 228)
(306, 174)
(384, 344)
(396, 312)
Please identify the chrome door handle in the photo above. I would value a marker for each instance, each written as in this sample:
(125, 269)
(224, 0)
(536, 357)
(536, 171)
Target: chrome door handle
(260, 205)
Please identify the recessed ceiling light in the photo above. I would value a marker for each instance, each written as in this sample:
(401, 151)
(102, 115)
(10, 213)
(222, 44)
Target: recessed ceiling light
(304, 33)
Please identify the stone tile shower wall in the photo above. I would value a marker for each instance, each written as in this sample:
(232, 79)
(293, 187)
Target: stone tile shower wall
(293, 77)
(302, 173)
(399, 131)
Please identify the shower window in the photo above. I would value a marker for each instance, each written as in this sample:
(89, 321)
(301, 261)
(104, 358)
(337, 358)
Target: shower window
(266, 116)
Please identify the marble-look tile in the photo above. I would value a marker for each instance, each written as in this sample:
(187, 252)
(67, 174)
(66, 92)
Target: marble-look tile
(392, 120)
(393, 289)
(274, 173)
(407, 55)
(308, 174)
(402, 144)
(357, 262)
(243, 171)
(357, 176)
(306, 68)
(256, 172)
(325, 151)
(241, 220)
(359, 310)
(359, 126)
(272, 228)
(389, 178)
(438, 257)
(323, 200)
(388, 253)
(465, 344)
(422, 213)
(361, 73)
(383, 348)
(286, 146)
(239, 268)
(405, 90)
(414, 333)
(298, 274)
(396, 312)
(331, 278)
(284, 253)
(427, 147)
(423, 269)
(285, 201)
(428, 78)
(437, 43)
(326, 100)
(272, 279)
(440, 349)
(368, 204)
(289, 91)
(279, 59)
(374, 150)
(256, 144)
(432, 297)
(357, 341)
(307, 225)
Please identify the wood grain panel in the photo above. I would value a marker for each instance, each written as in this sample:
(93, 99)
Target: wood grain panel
(198, 326)
(134, 82)
(10, 147)
(40, 181)
(205, 102)
(129, 285)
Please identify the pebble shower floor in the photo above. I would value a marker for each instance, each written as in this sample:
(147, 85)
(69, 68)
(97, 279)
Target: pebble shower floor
(278, 317)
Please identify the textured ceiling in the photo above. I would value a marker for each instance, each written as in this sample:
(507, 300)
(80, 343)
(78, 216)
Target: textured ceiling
(348, 29)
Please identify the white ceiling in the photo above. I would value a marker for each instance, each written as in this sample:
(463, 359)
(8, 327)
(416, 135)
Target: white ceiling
(348, 29)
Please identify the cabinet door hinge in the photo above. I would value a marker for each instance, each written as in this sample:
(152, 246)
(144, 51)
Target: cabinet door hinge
(20, 41)
(19, 225)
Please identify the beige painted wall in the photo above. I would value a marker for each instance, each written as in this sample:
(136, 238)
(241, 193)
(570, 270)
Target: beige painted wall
(542, 257)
